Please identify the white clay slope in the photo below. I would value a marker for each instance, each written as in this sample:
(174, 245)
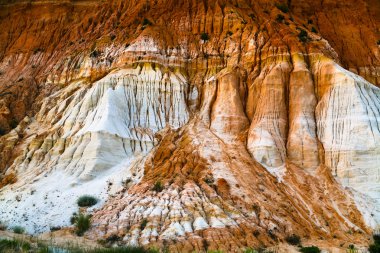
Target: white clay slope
(95, 136)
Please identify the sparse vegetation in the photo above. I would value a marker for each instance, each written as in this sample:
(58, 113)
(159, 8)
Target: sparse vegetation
(52, 229)
(378, 42)
(146, 22)
(209, 180)
(3, 227)
(143, 224)
(13, 124)
(205, 37)
(303, 36)
(95, 54)
(375, 247)
(293, 239)
(37, 50)
(82, 223)
(158, 187)
(314, 30)
(18, 230)
(86, 201)
(14, 245)
(311, 249)
(113, 238)
(229, 33)
(280, 18)
(250, 250)
(282, 7)
(19, 246)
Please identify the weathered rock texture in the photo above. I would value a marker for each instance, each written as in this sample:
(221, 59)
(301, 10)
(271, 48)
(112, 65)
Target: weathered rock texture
(215, 124)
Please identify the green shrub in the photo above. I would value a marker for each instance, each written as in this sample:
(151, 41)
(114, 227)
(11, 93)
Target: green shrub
(282, 7)
(94, 54)
(82, 223)
(205, 37)
(376, 238)
(146, 22)
(280, 18)
(314, 30)
(3, 227)
(55, 228)
(158, 187)
(374, 248)
(18, 230)
(73, 218)
(351, 248)
(143, 224)
(311, 249)
(86, 201)
(303, 36)
(293, 239)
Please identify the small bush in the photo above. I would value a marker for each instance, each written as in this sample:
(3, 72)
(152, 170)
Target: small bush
(146, 22)
(280, 18)
(229, 33)
(82, 223)
(282, 7)
(205, 37)
(73, 218)
(158, 187)
(18, 230)
(314, 30)
(3, 227)
(86, 201)
(113, 238)
(293, 239)
(376, 238)
(374, 248)
(311, 249)
(52, 229)
(303, 36)
(378, 42)
(143, 224)
(95, 54)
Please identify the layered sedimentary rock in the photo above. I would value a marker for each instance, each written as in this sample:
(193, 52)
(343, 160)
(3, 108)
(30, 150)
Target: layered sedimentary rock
(217, 125)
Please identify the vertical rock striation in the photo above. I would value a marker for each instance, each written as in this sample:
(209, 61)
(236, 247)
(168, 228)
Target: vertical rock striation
(253, 121)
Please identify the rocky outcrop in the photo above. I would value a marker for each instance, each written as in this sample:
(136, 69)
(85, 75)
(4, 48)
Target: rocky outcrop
(213, 125)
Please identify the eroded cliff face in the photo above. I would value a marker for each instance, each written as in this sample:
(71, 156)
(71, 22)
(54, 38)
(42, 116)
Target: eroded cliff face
(255, 129)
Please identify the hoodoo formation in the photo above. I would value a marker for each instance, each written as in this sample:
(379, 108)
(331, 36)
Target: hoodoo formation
(198, 125)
